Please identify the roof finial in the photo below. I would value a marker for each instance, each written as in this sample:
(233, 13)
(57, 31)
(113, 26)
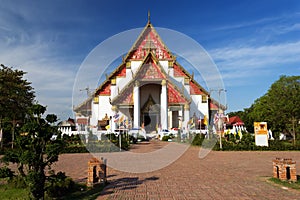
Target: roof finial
(148, 16)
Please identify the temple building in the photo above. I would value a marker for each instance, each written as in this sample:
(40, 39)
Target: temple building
(149, 89)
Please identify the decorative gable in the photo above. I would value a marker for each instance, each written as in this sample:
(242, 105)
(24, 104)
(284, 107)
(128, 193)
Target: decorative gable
(150, 70)
(149, 40)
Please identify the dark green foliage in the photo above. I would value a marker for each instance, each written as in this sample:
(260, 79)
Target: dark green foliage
(75, 145)
(166, 138)
(279, 107)
(59, 185)
(5, 172)
(18, 182)
(247, 143)
(35, 150)
(198, 139)
(16, 96)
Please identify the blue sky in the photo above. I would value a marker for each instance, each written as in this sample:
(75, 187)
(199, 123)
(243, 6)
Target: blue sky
(251, 42)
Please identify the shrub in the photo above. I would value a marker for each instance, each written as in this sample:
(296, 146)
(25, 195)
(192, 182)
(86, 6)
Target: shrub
(5, 172)
(165, 138)
(59, 185)
(17, 182)
(198, 139)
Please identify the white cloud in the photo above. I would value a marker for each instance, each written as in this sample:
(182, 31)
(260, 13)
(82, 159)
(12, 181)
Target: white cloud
(237, 63)
(52, 77)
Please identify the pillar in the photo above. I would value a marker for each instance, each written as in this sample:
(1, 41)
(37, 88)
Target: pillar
(113, 124)
(186, 117)
(164, 105)
(136, 101)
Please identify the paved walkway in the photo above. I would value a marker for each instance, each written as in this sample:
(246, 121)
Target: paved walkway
(220, 175)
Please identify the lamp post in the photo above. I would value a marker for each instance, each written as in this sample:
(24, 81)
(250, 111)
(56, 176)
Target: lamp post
(220, 120)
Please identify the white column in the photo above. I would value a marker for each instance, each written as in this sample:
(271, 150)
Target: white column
(164, 105)
(136, 101)
(186, 115)
(113, 124)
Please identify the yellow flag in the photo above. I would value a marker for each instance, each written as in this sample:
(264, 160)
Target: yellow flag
(121, 119)
(205, 120)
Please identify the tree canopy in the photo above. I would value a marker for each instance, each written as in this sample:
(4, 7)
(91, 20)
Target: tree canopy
(279, 107)
(16, 96)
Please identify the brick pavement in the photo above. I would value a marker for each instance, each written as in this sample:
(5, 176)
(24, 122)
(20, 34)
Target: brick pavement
(220, 175)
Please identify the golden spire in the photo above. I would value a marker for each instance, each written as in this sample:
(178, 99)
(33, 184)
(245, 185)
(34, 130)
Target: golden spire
(148, 16)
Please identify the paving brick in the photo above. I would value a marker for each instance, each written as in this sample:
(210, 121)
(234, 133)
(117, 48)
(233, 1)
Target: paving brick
(220, 175)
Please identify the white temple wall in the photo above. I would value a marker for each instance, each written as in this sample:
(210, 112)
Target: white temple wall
(104, 107)
(164, 64)
(128, 75)
(170, 72)
(113, 91)
(94, 118)
(197, 107)
(179, 79)
(122, 82)
(187, 88)
(135, 65)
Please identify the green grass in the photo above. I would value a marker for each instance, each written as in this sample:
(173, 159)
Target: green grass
(7, 192)
(80, 192)
(288, 184)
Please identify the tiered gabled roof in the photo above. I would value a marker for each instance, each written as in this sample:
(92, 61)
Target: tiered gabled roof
(150, 70)
(150, 49)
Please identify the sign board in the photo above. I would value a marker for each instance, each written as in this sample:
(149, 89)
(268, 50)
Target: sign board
(261, 133)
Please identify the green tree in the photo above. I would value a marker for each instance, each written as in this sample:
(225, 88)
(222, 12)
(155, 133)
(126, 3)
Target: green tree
(280, 105)
(35, 149)
(16, 96)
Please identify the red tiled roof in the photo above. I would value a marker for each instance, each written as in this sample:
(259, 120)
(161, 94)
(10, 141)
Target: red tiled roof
(235, 120)
(174, 95)
(194, 89)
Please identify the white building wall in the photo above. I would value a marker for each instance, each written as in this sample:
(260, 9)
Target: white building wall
(179, 79)
(187, 88)
(104, 107)
(135, 65)
(171, 72)
(94, 118)
(197, 107)
(114, 91)
(164, 64)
